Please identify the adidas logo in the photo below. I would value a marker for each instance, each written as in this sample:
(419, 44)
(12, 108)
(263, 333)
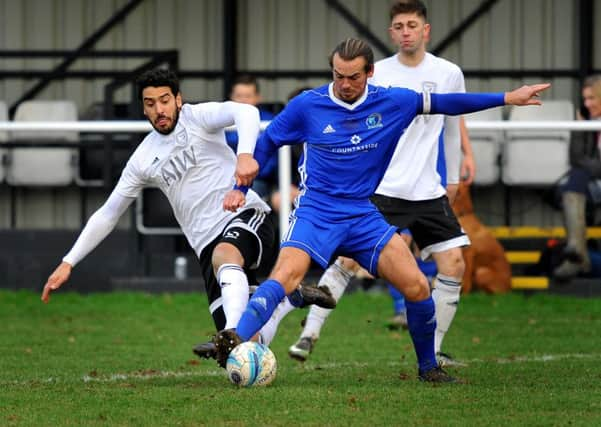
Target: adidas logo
(329, 129)
(262, 302)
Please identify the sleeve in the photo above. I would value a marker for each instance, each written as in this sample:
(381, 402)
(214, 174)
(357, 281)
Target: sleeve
(100, 224)
(452, 148)
(286, 129)
(132, 179)
(218, 115)
(459, 103)
(452, 134)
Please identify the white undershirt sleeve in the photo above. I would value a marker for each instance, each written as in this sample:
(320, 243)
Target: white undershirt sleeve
(100, 224)
(452, 148)
(452, 133)
(244, 116)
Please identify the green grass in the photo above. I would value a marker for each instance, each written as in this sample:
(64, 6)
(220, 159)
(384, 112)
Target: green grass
(125, 359)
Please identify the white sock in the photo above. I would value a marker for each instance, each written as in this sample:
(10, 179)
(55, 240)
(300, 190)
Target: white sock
(269, 329)
(336, 278)
(446, 298)
(234, 292)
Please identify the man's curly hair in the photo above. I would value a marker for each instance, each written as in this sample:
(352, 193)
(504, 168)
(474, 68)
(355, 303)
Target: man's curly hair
(156, 78)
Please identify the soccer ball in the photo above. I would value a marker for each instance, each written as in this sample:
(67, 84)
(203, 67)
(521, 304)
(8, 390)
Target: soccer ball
(251, 363)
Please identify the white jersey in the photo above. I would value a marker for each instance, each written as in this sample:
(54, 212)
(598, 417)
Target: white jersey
(412, 173)
(194, 167)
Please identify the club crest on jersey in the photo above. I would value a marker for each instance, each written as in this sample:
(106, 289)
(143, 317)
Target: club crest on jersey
(374, 121)
(181, 138)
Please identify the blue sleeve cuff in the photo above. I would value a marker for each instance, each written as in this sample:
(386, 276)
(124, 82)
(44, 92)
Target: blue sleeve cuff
(242, 188)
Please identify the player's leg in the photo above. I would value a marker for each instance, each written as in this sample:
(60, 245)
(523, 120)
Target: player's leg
(269, 329)
(305, 239)
(248, 241)
(446, 290)
(399, 319)
(397, 265)
(290, 268)
(244, 244)
(377, 247)
(336, 278)
(439, 235)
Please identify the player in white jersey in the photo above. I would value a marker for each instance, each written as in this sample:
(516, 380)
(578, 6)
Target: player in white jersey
(187, 158)
(411, 194)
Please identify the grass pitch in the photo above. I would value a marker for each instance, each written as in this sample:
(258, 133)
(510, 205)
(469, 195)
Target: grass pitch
(125, 359)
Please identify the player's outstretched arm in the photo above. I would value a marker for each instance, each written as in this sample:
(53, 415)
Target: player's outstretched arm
(56, 280)
(100, 224)
(462, 103)
(526, 95)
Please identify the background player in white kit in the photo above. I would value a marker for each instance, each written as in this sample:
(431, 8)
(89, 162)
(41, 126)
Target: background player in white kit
(411, 191)
(187, 158)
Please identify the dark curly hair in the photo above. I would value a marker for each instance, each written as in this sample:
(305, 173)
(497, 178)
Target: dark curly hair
(156, 78)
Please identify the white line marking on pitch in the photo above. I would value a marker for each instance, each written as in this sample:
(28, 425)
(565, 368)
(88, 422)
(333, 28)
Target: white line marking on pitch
(150, 375)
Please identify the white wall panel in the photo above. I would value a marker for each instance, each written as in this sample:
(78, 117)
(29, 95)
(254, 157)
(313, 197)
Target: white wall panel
(280, 35)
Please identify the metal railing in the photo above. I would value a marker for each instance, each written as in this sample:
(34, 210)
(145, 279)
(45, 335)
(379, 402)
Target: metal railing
(107, 127)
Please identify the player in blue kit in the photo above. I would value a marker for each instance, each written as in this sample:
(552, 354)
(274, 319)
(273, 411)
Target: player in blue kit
(350, 131)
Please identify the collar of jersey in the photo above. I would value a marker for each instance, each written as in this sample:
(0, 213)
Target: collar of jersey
(345, 104)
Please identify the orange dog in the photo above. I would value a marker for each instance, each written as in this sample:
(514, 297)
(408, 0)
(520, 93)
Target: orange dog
(486, 267)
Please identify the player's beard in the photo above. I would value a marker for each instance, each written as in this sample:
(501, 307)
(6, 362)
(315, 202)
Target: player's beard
(167, 131)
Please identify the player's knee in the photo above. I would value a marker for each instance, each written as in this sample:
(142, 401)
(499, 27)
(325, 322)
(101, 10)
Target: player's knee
(226, 253)
(418, 290)
(453, 264)
(348, 264)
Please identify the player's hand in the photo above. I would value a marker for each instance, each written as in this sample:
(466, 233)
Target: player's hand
(233, 200)
(526, 95)
(247, 169)
(56, 279)
(468, 170)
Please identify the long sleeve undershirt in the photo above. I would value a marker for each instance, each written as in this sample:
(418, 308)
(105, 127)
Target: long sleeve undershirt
(100, 224)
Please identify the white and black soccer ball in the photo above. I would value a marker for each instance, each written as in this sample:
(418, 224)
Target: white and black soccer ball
(251, 363)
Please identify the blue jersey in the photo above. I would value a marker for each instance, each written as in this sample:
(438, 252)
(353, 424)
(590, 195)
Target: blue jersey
(349, 146)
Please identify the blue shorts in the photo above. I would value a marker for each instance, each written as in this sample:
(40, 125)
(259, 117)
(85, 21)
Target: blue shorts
(329, 227)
